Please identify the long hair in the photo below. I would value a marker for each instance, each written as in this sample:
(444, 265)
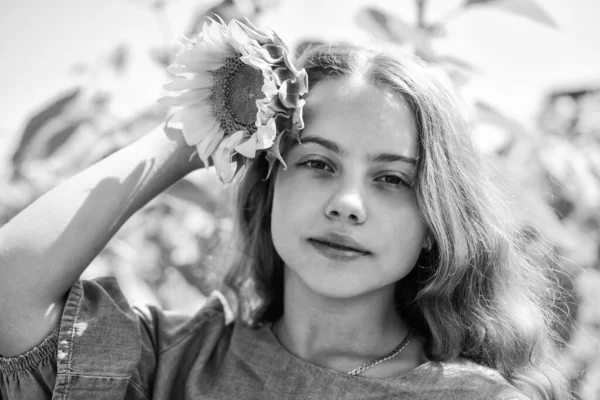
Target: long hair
(479, 293)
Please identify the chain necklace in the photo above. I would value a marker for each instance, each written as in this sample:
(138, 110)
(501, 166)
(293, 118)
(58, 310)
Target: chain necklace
(394, 353)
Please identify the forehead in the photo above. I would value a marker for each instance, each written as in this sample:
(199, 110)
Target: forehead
(356, 113)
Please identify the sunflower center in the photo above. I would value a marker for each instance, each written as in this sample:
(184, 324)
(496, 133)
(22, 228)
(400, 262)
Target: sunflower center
(236, 88)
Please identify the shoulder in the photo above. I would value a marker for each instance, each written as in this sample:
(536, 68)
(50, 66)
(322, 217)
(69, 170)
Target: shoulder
(167, 329)
(466, 379)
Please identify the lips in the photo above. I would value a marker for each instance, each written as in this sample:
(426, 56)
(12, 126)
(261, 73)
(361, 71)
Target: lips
(340, 241)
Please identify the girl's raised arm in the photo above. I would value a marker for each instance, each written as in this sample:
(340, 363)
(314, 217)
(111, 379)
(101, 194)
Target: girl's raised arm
(45, 248)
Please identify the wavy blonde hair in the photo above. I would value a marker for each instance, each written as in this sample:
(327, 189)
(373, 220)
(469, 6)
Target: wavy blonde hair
(479, 293)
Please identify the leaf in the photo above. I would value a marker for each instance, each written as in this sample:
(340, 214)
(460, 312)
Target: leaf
(60, 137)
(195, 194)
(457, 62)
(491, 114)
(526, 8)
(486, 113)
(35, 125)
(162, 56)
(225, 9)
(458, 70)
(384, 25)
(538, 213)
(119, 58)
(528, 204)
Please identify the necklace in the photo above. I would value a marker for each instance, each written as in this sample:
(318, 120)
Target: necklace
(392, 354)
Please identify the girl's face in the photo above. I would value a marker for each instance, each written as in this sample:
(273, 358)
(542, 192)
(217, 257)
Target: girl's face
(345, 218)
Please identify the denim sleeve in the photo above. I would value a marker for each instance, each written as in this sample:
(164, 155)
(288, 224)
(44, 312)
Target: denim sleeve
(30, 375)
(91, 354)
(106, 349)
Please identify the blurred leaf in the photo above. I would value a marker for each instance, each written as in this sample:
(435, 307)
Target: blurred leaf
(385, 26)
(138, 125)
(530, 207)
(162, 56)
(538, 213)
(262, 5)
(59, 137)
(177, 292)
(491, 114)
(194, 194)
(79, 68)
(226, 9)
(159, 4)
(458, 70)
(458, 63)
(487, 113)
(152, 4)
(119, 58)
(526, 8)
(35, 124)
(437, 30)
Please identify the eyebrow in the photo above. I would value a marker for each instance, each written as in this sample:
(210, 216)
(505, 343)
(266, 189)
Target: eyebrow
(378, 157)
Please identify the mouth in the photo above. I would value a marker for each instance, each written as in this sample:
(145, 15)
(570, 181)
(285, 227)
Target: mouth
(337, 252)
(340, 243)
(338, 246)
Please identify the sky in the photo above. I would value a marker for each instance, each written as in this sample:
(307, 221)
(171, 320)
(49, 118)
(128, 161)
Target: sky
(519, 61)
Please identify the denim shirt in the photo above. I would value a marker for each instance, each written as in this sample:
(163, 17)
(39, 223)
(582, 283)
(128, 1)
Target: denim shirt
(106, 349)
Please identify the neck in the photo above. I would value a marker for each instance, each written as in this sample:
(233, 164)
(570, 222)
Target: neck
(338, 333)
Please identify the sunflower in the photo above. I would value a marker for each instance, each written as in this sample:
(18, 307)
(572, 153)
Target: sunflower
(237, 93)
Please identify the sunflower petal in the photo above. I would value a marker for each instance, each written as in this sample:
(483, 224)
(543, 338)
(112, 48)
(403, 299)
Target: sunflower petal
(197, 122)
(248, 148)
(256, 62)
(274, 155)
(265, 135)
(188, 98)
(255, 33)
(297, 119)
(269, 87)
(223, 156)
(288, 94)
(199, 82)
(240, 172)
(208, 145)
(238, 36)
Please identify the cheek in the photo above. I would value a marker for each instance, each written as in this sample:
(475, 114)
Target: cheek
(281, 197)
(403, 233)
(294, 197)
(291, 216)
(287, 206)
(411, 223)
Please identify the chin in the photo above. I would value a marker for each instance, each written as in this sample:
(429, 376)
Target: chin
(336, 287)
(337, 292)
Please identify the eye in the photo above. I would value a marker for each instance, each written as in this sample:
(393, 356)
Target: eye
(393, 181)
(316, 165)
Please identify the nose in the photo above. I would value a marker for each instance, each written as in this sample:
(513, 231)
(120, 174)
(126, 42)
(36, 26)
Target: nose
(347, 205)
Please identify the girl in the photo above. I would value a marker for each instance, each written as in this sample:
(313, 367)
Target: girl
(376, 260)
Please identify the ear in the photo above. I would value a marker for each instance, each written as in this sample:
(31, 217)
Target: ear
(427, 242)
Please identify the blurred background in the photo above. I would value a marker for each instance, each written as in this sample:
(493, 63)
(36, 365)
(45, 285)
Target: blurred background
(80, 79)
